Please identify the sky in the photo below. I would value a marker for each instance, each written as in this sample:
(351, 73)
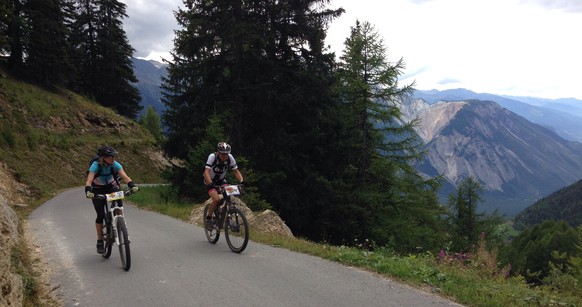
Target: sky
(503, 47)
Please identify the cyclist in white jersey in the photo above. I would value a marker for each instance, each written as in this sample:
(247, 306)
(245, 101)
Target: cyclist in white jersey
(217, 166)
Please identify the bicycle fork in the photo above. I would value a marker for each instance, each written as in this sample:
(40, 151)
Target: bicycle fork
(116, 213)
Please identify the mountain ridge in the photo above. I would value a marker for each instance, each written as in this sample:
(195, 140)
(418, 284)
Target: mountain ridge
(564, 115)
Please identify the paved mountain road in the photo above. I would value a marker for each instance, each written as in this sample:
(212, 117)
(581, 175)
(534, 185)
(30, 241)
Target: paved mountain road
(174, 265)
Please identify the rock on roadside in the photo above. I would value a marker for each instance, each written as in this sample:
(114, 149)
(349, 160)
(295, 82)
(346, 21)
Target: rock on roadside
(267, 221)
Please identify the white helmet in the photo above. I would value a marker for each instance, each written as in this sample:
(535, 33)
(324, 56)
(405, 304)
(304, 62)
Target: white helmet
(223, 147)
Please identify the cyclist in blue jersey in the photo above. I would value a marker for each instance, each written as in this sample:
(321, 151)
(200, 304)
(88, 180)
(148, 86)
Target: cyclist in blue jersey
(217, 166)
(102, 178)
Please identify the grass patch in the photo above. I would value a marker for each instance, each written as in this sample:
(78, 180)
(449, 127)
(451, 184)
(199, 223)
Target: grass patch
(159, 199)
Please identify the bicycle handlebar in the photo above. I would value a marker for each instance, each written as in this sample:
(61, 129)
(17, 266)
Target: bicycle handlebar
(126, 192)
(221, 189)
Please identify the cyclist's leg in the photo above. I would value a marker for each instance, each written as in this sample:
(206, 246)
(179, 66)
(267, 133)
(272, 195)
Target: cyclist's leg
(215, 199)
(99, 205)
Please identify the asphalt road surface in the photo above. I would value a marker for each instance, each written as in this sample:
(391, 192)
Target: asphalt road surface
(174, 265)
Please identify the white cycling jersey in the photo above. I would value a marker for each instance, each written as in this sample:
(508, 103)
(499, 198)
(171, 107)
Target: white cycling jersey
(218, 169)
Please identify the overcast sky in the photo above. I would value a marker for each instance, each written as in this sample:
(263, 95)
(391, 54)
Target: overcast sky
(504, 47)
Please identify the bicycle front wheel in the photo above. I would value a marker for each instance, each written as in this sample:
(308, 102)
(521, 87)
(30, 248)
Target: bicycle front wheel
(123, 243)
(212, 234)
(236, 230)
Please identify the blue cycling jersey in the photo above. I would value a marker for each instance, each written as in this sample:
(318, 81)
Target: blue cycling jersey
(105, 173)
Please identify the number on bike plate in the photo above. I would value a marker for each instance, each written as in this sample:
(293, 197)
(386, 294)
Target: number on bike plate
(115, 195)
(232, 190)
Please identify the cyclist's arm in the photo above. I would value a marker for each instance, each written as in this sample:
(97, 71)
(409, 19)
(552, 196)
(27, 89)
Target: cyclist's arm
(207, 179)
(237, 174)
(91, 174)
(90, 178)
(124, 175)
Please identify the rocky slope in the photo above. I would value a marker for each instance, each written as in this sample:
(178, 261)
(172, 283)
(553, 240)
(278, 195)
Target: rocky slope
(13, 194)
(515, 160)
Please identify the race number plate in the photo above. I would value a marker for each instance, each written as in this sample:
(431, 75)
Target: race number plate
(232, 190)
(115, 196)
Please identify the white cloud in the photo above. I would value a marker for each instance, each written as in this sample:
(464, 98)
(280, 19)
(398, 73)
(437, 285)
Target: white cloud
(150, 26)
(495, 46)
(514, 47)
(574, 6)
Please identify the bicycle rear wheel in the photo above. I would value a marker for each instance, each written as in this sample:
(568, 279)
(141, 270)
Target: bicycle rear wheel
(107, 235)
(124, 251)
(211, 234)
(236, 230)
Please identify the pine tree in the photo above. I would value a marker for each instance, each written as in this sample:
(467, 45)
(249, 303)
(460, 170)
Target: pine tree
(46, 48)
(14, 30)
(5, 11)
(260, 66)
(104, 55)
(82, 39)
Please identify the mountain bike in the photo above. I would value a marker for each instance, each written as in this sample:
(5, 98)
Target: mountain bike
(115, 228)
(230, 218)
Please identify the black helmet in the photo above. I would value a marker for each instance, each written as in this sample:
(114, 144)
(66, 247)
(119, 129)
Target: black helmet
(106, 151)
(223, 147)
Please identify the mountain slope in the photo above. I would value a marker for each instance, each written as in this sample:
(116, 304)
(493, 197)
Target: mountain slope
(149, 75)
(48, 136)
(515, 160)
(564, 204)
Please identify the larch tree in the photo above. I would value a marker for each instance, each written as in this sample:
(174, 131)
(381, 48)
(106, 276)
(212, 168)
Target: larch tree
(391, 203)
(467, 224)
(151, 121)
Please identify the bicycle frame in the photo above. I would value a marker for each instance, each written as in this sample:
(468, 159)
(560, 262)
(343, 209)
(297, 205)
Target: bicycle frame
(226, 202)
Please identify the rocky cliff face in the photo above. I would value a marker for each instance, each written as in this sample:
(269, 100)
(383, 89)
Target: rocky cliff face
(10, 283)
(513, 158)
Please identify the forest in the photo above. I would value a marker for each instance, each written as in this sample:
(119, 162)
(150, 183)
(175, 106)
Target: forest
(320, 139)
